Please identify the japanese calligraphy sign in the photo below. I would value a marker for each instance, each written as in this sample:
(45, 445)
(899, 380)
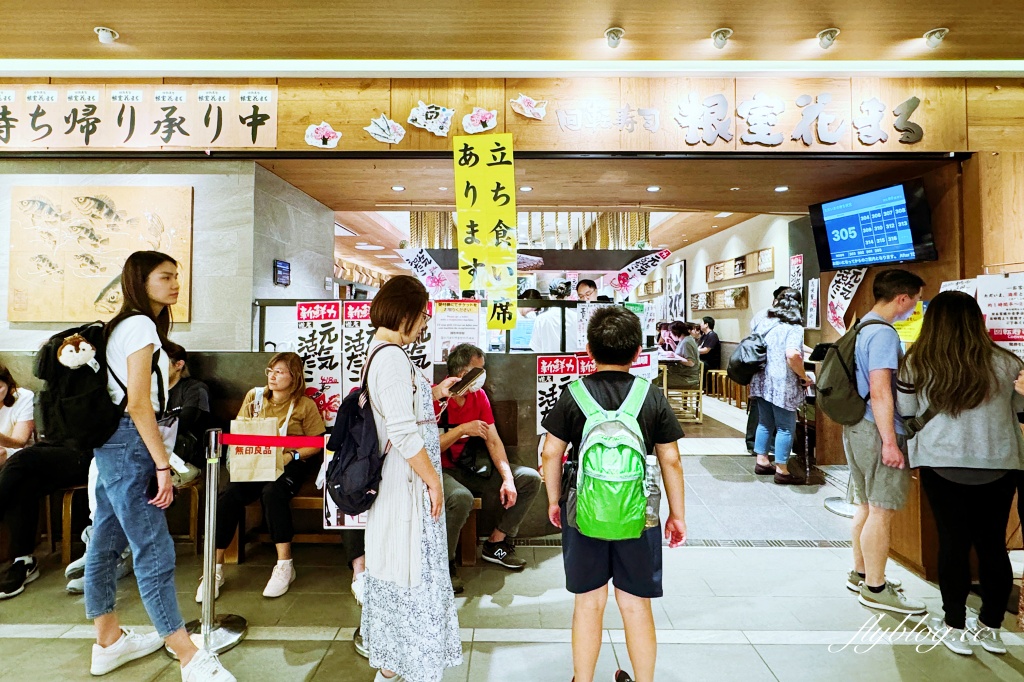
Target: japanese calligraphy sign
(421, 351)
(485, 192)
(357, 334)
(137, 116)
(840, 293)
(320, 347)
(813, 294)
(554, 373)
(630, 276)
(427, 271)
(796, 272)
(968, 286)
(584, 311)
(1001, 298)
(455, 322)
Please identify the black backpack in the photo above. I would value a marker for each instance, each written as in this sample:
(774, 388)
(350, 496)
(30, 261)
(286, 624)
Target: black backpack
(76, 408)
(353, 475)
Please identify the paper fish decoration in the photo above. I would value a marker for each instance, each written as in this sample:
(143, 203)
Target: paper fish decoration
(383, 129)
(433, 118)
(529, 107)
(323, 136)
(480, 120)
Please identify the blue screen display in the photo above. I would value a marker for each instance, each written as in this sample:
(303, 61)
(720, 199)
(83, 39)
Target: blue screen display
(869, 228)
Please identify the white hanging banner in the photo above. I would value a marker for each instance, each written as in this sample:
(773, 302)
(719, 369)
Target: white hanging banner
(319, 344)
(968, 286)
(840, 293)
(813, 294)
(630, 276)
(427, 271)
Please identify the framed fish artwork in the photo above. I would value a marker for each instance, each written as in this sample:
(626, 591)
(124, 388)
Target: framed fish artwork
(69, 244)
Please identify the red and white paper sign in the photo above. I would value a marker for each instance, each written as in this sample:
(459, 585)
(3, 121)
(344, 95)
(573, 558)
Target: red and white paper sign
(320, 346)
(357, 336)
(1001, 298)
(554, 373)
(630, 276)
(840, 293)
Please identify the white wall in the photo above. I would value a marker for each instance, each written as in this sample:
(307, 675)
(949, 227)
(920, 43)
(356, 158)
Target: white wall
(752, 235)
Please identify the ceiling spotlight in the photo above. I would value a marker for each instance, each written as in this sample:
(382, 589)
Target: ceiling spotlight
(827, 37)
(723, 214)
(370, 247)
(653, 188)
(782, 188)
(614, 36)
(440, 188)
(935, 36)
(398, 188)
(721, 37)
(525, 188)
(106, 35)
(734, 189)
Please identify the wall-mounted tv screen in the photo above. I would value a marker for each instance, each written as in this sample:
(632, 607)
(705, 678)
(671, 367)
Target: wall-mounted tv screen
(882, 227)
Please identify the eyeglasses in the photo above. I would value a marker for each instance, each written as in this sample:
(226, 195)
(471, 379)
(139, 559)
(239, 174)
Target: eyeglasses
(277, 372)
(426, 316)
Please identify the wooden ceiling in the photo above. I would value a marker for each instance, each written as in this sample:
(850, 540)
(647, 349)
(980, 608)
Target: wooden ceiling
(526, 29)
(702, 184)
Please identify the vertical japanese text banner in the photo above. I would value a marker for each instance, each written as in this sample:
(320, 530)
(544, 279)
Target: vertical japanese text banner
(485, 201)
(554, 373)
(319, 346)
(357, 336)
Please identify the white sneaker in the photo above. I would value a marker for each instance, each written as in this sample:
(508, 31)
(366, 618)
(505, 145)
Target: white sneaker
(280, 580)
(124, 568)
(219, 583)
(128, 648)
(359, 587)
(205, 667)
(989, 638)
(76, 569)
(955, 639)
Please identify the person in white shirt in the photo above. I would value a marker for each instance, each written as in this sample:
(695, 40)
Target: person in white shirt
(548, 329)
(16, 420)
(128, 512)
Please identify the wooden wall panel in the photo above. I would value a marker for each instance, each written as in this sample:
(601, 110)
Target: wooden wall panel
(592, 100)
(666, 95)
(461, 94)
(348, 105)
(788, 90)
(994, 212)
(942, 113)
(995, 114)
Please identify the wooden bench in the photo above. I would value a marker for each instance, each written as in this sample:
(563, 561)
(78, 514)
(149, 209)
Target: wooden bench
(468, 538)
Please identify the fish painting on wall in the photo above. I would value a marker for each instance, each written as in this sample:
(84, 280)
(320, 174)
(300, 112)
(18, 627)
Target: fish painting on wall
(69, 244)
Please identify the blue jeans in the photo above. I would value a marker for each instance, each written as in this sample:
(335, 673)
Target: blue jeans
(774, 418)
(124, 517)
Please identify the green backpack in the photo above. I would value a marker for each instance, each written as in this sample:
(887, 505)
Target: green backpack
(610, 493)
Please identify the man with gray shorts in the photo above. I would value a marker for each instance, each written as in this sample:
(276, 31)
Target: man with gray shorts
(876, 446)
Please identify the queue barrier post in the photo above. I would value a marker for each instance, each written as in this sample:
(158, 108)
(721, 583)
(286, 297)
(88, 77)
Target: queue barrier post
(212, 632)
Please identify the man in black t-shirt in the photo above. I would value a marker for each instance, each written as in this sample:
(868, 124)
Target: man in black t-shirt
(614, 338)
(710, 348)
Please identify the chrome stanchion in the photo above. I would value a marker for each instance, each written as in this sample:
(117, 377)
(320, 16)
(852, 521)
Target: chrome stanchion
(211, 632)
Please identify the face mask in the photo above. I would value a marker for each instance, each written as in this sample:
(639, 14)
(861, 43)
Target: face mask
(478, 383)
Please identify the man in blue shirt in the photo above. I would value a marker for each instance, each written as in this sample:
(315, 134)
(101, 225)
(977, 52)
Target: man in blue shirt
(876, 446)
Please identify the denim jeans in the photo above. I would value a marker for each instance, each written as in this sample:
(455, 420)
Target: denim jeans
(772, 417)
(124, 517)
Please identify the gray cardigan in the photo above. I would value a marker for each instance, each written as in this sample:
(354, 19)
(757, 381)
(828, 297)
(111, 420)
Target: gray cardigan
(986, 437)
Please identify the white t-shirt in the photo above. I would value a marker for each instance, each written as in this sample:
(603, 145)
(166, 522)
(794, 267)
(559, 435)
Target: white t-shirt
(129, 336)
(20, 411)
(547, 335)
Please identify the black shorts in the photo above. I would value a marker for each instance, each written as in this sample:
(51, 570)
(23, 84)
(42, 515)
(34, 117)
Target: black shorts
(634, 566)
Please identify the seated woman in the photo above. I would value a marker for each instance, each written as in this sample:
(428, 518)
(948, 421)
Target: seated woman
(685, 374)
(16, 419)
(297, 415)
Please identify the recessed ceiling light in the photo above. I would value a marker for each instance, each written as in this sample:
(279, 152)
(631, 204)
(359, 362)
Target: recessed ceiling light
(827, 37)
(934, 37)
(342, 231)
(653, 188)
(443, 189)
(370, 247)
(107, 36)
(525, 188)
(782, 188)
(714, 226)
(614, 36)
(723, 214)
(662, 246)
(360, 243)
(734, 189)
(398, 188)
(720, 37)
(388, 256)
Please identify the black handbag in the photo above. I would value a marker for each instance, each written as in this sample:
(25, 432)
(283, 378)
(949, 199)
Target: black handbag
(749, 358)
(475, 458)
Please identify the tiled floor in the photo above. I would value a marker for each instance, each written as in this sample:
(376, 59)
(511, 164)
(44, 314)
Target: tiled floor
(736, 612)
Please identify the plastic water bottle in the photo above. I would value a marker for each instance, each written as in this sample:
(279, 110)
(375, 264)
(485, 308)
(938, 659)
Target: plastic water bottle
(652, 482)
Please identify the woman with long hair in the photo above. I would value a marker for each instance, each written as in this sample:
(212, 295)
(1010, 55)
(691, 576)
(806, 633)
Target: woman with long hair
(409, 623)
(956, 387)
(125, 513)
(284, 399)
(781, 386)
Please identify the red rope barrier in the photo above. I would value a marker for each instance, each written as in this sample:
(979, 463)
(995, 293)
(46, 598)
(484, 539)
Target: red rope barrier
(273, 441)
